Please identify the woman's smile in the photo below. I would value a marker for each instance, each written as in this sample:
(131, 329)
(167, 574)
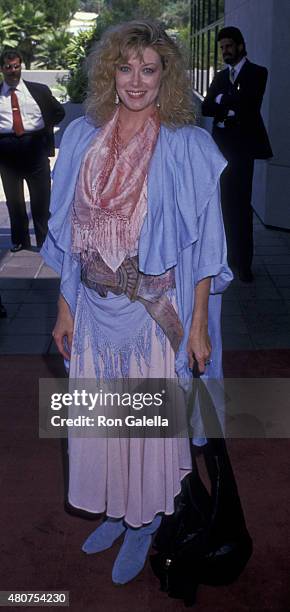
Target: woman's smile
(136, 94)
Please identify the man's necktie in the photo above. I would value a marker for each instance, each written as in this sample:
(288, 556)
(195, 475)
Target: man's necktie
(232, 75)
(16, 114)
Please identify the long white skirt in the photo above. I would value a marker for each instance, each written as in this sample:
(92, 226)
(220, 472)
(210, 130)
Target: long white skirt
(130, 478)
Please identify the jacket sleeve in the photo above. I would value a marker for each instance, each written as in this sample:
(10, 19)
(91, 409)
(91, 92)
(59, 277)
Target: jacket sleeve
(210, 108)
(56, 250)
(210, 251)
(56, 110)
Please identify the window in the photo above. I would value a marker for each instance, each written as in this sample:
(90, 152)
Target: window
(207, 18)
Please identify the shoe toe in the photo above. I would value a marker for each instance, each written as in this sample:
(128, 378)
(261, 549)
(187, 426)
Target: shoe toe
(131, 559)
(103, 537)
(20, 246)
(16, 247)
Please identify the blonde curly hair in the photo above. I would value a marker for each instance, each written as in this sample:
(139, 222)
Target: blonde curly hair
(175, 95)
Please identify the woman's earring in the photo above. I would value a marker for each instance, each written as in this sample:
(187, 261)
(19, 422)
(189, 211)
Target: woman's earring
(158, 104)
(117, 99)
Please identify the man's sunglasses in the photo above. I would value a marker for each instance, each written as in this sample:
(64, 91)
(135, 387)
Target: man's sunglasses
(11, 66)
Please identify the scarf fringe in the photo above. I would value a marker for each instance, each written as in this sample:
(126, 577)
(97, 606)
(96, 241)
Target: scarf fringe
(111, 360)
(112, 236)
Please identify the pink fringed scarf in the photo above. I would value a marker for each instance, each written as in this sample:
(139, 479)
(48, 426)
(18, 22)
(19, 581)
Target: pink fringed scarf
(111, 194)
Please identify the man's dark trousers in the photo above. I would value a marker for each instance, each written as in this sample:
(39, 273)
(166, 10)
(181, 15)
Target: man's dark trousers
(236, 195)
(242, 140)
(26, 158)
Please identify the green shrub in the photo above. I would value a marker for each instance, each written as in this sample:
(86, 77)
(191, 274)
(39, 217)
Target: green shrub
(76, 52)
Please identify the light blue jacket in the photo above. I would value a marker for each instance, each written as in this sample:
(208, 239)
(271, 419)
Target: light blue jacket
(183, 226)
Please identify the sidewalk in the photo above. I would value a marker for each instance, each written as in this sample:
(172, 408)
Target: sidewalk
(255, 316)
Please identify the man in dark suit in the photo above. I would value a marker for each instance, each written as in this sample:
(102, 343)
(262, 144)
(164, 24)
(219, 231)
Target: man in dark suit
(234, 100)
(28, 112)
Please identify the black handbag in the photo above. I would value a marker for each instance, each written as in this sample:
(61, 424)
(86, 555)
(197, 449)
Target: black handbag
(206, 540)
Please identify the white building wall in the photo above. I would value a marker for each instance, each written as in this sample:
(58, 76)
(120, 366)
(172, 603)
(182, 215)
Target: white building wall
(47, 77)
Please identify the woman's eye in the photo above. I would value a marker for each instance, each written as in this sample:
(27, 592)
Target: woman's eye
(124, 68)
(148, 70)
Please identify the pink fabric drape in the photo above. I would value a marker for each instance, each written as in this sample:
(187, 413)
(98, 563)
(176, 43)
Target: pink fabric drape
(111, 194)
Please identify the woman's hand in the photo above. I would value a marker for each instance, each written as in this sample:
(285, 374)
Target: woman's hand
(63, 329)
(198, 346)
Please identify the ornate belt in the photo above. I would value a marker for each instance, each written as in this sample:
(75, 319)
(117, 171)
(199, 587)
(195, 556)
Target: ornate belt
(147, 289)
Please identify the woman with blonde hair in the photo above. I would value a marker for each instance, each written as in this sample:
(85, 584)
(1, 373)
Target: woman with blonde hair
(136, 234)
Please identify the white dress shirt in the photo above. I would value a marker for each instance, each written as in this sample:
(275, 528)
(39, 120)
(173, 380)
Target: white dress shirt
(218, 98)
(30, 112)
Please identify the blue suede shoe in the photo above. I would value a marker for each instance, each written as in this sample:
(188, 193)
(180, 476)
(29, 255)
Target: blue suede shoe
(133, 552)
(104, 536)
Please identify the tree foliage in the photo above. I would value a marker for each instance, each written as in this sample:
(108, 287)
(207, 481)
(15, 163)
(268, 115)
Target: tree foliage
(7, 31)
(28, 28)
(76, 53)
(34, 27)
(56, 12)
(52, 50)
(93, 6)
(176, 14)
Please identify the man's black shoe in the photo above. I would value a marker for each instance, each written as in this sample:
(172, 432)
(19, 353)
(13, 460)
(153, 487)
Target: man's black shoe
(246, 276)
(19, 247)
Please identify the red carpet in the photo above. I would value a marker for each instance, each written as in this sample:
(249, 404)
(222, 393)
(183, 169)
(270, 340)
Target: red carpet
(41, 542)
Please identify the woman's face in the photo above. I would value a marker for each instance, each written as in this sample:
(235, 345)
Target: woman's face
(138, 80)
